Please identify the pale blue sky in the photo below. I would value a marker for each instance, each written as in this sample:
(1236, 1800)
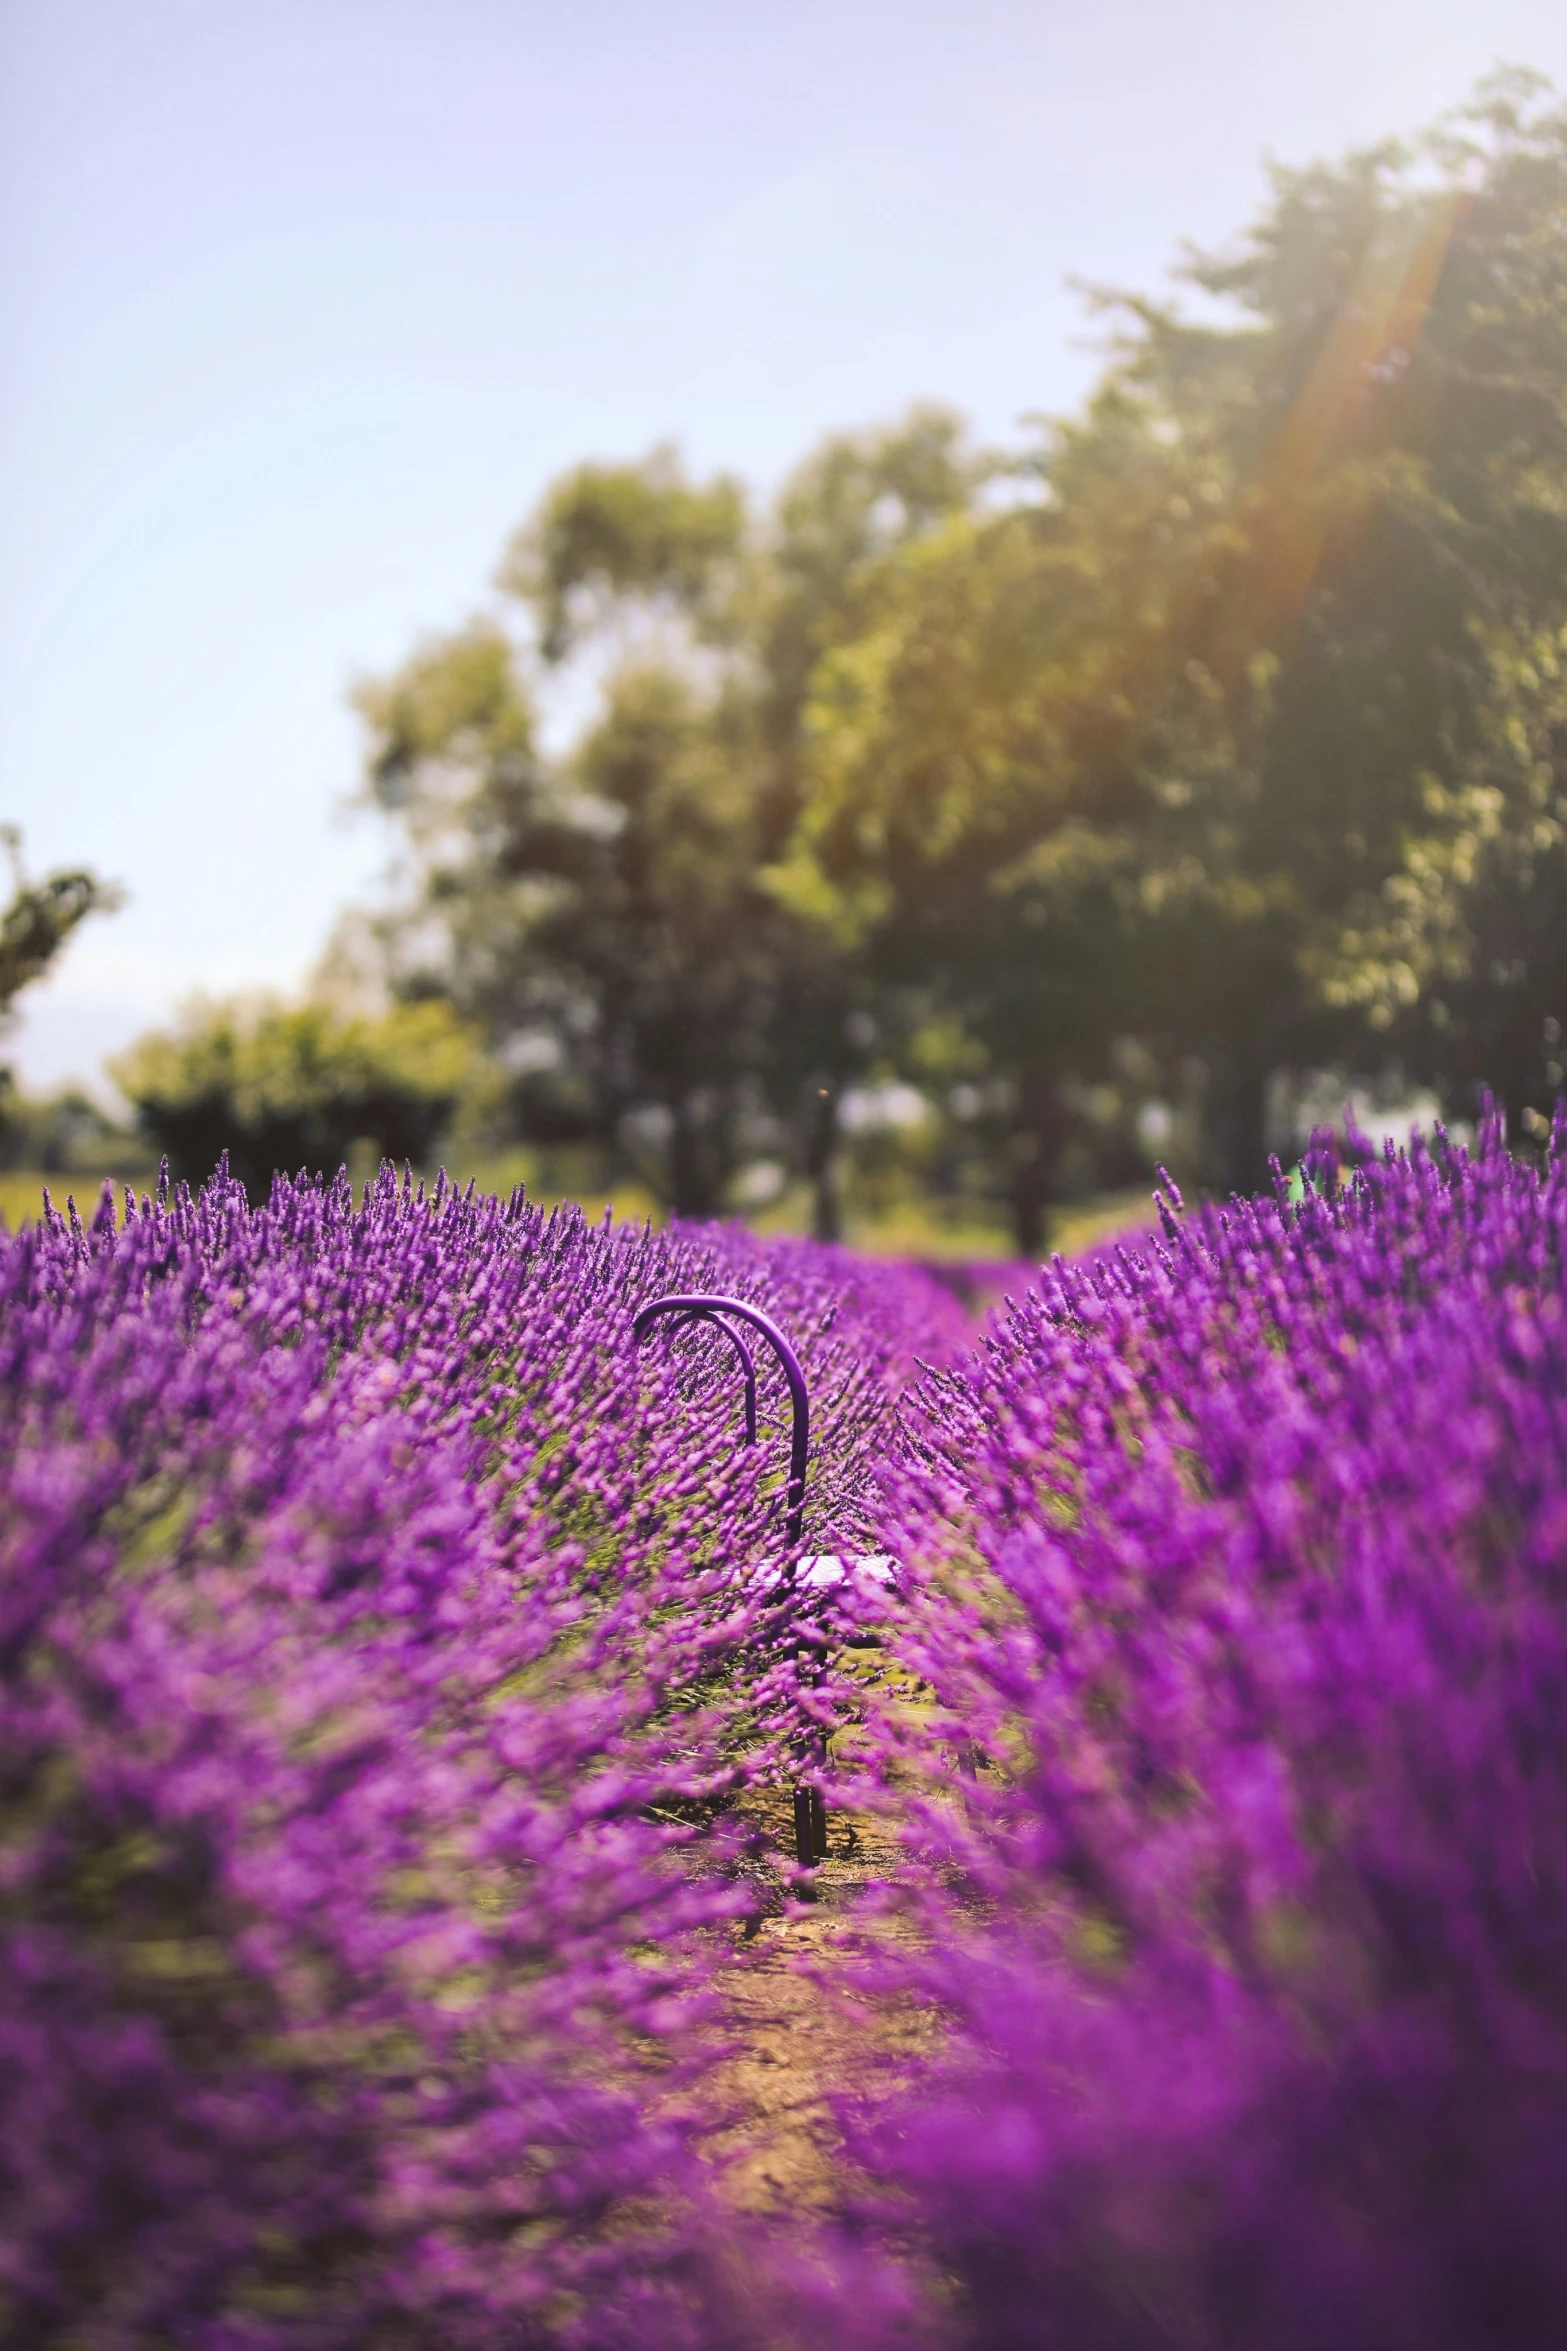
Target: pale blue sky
(301, 305)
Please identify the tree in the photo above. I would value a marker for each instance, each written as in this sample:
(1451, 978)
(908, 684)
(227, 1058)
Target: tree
(41, 916)
(606, 916)
(853, 504)
(988, 800)
(1216, 695)
(605, 537)
(1215, 736)
(598, 918)
(1454, 955)
(1460, 961)
(1407, 541)
(284, 1090)
(61, 1132)
(35, 925)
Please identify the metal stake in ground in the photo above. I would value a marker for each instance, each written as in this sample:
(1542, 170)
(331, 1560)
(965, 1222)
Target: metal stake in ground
(810, 1814)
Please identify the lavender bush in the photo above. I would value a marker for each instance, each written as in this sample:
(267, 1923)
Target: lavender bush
(389, 1650)
(1242, 1564)
(372, 1617)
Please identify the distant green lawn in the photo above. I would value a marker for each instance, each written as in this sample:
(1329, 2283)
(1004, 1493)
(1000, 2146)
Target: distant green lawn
(918, 1228)
(22, 1191)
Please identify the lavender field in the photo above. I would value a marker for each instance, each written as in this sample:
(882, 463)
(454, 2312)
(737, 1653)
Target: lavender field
(407, 1677)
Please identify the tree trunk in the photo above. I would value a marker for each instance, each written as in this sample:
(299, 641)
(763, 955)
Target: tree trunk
(1037, 1134)
(1238, 1127)
(821, 1165)
(695, 1186)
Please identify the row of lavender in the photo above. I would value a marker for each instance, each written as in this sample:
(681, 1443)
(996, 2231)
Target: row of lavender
(1243, 1564)
(375, 1624)
(385, 1644)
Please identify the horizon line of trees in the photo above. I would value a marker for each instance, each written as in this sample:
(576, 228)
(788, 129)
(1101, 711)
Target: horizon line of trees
(1096, 792)
(1215, 738)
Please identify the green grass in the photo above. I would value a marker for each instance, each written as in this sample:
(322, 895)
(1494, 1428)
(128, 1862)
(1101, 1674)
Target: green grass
(917, 1226)
(628, 1202)
(951, 1232)
(22, 1191)
(1101, 1218)
(931, 1229)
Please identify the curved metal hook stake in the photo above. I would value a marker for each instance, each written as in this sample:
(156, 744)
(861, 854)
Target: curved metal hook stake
(810, 1814)
(747, 1363)
(724, 1311)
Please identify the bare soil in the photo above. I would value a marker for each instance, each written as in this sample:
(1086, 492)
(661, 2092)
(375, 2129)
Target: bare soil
(801, 2039)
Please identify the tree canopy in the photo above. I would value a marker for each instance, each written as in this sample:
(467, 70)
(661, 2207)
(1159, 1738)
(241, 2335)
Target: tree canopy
(609, 917)
(1214, 735)
(40, 917)
(35, 923)
(285, 1089)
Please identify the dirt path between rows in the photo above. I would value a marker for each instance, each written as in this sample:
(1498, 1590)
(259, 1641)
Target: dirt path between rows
(796, 2047)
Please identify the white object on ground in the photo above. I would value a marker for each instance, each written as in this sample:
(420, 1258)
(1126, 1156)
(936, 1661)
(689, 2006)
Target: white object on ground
(824, 1567)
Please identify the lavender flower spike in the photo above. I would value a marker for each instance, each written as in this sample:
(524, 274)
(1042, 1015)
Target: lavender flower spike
(719, 1311)
(746, 1359)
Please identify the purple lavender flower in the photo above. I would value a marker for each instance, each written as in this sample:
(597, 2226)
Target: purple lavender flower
(371, 1615)
(1240, 1559)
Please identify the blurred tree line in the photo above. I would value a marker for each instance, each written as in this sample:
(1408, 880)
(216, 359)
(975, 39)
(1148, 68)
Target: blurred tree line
(1089, 797)
(288, 1087)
